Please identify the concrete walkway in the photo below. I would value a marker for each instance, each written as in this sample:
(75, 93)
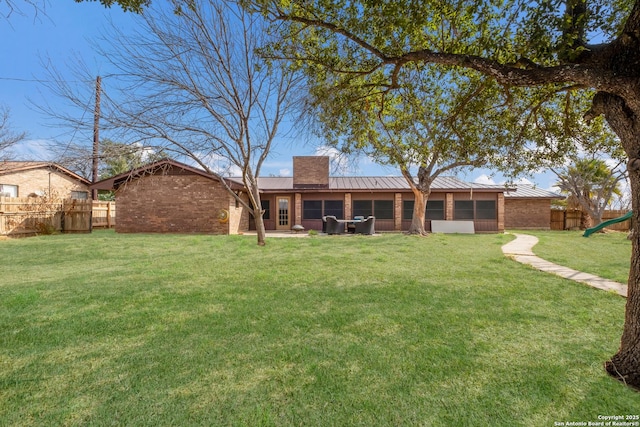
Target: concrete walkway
(520, 250)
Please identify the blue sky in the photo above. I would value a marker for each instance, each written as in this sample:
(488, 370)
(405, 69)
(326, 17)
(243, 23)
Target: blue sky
(65, 33)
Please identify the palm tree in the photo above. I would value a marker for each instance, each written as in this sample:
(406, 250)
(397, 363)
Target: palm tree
(591, 184)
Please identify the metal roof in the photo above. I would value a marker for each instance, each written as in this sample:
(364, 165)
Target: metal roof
(526, 191)
(372, 184)
(337, 183)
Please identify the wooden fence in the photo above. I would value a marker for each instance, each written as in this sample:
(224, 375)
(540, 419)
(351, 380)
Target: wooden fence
(20, 216)
(572, 219)
(104, 214)
(620, 226)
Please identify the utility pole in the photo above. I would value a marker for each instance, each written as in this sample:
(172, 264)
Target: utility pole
(96, 139)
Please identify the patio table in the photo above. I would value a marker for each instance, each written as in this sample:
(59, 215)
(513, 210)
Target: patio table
(352, 224)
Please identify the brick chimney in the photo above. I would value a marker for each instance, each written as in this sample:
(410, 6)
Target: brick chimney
(310, 172)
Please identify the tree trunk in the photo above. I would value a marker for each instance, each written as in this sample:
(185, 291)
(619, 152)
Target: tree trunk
(256, 204)
(419, 208)
(625, 364)
(586, 220)
(260, 231)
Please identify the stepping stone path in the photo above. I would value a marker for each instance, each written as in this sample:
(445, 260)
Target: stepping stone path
(520, 250)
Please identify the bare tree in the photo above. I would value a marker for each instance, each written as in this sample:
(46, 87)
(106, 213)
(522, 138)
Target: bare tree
(20, 7)
(8, 137)
(196, 87)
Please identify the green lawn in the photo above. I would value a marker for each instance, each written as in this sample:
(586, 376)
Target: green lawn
(604, 254)
(166, 330)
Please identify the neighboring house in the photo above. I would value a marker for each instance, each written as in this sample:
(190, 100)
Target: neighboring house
(24, 179)
(168, 196)
(528, 207)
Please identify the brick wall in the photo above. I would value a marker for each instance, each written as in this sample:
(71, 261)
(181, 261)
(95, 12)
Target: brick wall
(238, 214)
(448, 208)
(297, 209)
(348, 206)
(172, 204)
(500, 212)
(39, 181)
(397, 212)
(311, 171)
(527, 213)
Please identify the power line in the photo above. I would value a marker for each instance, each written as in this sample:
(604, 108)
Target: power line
(16, 79)
(23, 80)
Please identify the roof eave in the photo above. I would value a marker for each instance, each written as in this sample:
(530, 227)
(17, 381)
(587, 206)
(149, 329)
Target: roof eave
(49, 165)
(115, 182)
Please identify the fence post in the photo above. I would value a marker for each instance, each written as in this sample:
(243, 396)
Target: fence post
(62, 216)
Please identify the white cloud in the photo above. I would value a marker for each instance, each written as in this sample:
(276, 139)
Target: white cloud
(33, 149)
(284, 172)
(324, 150)
(554, 189)
(484, 179)
(145, 152)
(523, 181)
(340, 162)
(219, 165)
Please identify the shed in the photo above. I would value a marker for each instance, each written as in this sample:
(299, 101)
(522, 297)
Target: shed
(528, 207)
(172, 197)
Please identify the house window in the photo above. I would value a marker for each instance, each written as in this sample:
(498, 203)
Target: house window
(435, 209)
(381, 209)
(80, 195)
(8, 190)
(486, 209)
(316, 209)
(463, 209)
(312, 209)
(266, 207)
(362, 208)
(334, 207)
(407, 209)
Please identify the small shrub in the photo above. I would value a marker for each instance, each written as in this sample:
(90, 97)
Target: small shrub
(45, 228)
(313, 232)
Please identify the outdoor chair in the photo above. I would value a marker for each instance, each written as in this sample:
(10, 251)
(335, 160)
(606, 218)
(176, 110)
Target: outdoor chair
(351, 226)
(366, 226)
(333, 226)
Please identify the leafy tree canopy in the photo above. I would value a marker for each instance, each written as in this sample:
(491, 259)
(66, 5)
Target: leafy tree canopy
(373, 34)
(117, 158)
(430, 119)
(365, 48)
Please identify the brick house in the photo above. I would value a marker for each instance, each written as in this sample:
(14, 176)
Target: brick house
(24, 179)
(169, 196)
(528, 207)
(312, 193)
